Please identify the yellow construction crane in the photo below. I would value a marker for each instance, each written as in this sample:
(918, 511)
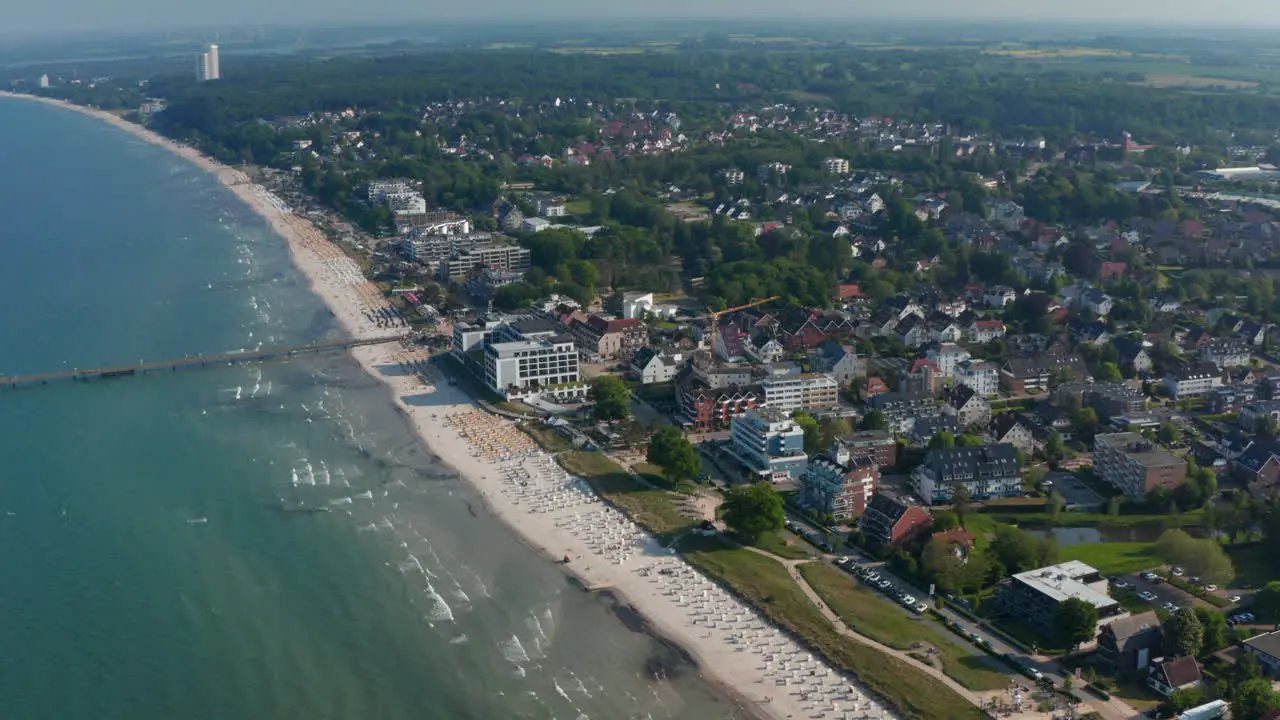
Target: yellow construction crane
(715, 319)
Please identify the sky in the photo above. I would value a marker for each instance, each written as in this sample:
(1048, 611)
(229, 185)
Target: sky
(46, 16)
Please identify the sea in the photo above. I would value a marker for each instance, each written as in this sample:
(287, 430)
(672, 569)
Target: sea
(158, 556)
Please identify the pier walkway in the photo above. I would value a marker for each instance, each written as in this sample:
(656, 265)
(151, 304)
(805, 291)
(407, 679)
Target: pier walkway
(282, 353)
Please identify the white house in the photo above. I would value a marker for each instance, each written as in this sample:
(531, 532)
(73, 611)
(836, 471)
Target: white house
(947, 356)
(983, 377)
(984, 331)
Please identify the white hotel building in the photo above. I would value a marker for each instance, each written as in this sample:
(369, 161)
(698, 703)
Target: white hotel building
(522, 368)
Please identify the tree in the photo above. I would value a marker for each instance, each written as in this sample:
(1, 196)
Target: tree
(753, 510)
(1204, 558)
(1254, 700)
(671, 450)
(613, 398)
(874, 420)
(945, 520)
(1055, 504)
(1114, 504)
(1170, 434)
(1108, 372)
(1214, 623)
(1017, 550)
(1054, 449)
(812, 431)
(1266, 603)
(942, 441)
(1183, 633)
(960, 501)
(1075, 621)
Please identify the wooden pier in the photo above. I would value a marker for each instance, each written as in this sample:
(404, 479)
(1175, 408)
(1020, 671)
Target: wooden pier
(283, 353)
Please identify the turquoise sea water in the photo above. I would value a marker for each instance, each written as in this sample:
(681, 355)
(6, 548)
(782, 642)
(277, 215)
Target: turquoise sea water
(146, 568)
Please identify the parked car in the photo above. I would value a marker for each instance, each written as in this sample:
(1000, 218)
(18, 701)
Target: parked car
(1210, 587)
(921, 608)
(1150, 576)
(1121, 584)
(1147, 595)
(1234, 599)
(908, 600)
(873, 577)
(1169, 607)
(884, 584)
(1178, 572)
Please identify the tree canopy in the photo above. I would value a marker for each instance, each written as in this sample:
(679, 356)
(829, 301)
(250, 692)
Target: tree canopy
(1183, 633)
(670, 449)
(1075, 622)
(753, 510)
(612, 397)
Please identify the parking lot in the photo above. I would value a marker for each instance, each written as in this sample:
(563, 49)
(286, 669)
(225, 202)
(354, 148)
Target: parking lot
(1163, 592)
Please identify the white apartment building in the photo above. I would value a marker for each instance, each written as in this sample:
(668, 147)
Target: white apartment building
(524, 367)
(1193, 381)
(983, 378)
(837, 166)
(814, 391)
(208, 66)
(948, 357)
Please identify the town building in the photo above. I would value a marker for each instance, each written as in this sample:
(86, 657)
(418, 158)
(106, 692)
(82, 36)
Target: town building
(598, 337)
(533, 366)
(208, 66)
(839, 485)
(733, 176)
(983, 377)
(1136, 466)
(1128, 644)
(875, 444)
(1034, 596)
(636, 305)
(1013, 429)
(1266, 648)
(703, 407)
(769, 444)
(990, 471)
(836, 166)
(841, 362)
(947, 357)
(1168, 676)
(1031, 375)
(511, 258)
(1133, 355)
(1225, 353)
(651, 365)
(811, 392)
(985, 331)
(890, 521)
(1192, 381)
(967, 406)
(1255, 415)
(901, 413)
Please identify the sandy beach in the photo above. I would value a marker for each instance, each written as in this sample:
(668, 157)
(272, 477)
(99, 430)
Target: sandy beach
(552, 511)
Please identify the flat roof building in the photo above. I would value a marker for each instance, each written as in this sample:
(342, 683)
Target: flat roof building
(1134, 465)
(1034, 596)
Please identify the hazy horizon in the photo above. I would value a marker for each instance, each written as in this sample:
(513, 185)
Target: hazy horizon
(53, 17)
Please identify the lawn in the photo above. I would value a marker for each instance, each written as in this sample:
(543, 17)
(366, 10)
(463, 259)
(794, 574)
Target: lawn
(1113, 558)
(871, 614)
(784, 545)
(765, 584)
(577, 207)
(547, 438)
(657, 510)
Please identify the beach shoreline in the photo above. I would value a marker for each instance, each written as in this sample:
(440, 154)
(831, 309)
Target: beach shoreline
(440, 414)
